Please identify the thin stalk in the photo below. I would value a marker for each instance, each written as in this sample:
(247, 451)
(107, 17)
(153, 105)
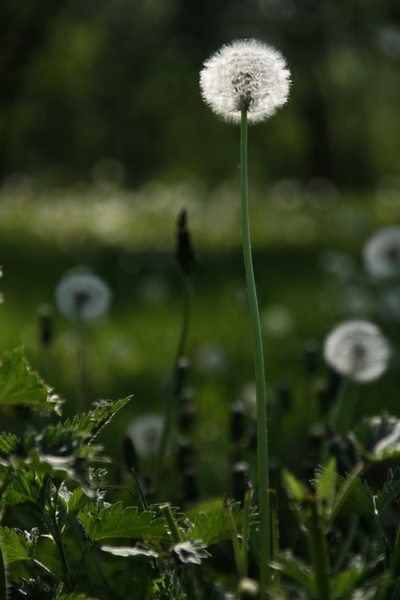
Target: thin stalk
(246, 528)
(261, 393)
(237, 550)
(319, 554)
(3, 577)
(82, 370)
(187, 577)
(393, 571)
(170, 404)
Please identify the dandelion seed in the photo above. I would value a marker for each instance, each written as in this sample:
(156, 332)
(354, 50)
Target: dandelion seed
(382, 253)
(245, 75)
(83, 296)
(357, 349)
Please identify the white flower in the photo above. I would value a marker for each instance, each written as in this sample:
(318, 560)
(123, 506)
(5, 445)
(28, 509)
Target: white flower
(245, 74)
(82, 296)
(145, 432)
(382, 253)
(357, 349)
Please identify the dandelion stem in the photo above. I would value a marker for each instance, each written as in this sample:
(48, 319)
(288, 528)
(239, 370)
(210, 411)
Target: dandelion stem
(262, 433)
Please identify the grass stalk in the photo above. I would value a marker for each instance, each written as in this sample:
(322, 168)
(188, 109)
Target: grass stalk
(261, 393)
(319, 554)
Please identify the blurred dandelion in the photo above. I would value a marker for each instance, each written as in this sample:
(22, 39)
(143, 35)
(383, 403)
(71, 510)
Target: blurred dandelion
(382, 253)
(245, 75)
(145, 432)
(82, 296)
(357, 349)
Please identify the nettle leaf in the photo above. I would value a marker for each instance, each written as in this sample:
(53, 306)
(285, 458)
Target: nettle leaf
(20, 385)
(297, 570)
(358, 498)
(294, 488)
(209, 523)
(75, 597)
(346, 580)
(325, 483)
(17, 544)
(25, 486)
(118, 522)
(378, 438)
(390, 490)
(9, 444)
(93, 421)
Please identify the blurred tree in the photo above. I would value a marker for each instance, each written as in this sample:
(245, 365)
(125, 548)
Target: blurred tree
(86, 81)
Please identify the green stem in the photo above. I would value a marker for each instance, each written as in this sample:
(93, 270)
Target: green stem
(3, 577)
(319, 554)
(82, 383)
(187, 577)
(393, 571)
(237, 550)
(261, 393)
(170, 404)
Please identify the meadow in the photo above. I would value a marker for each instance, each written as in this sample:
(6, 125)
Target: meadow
(307, 244)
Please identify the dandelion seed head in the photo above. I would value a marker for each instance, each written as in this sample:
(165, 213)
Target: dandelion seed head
(357, 349)
(245, 75)
(82, 296)
(382, 253)
(145, 432)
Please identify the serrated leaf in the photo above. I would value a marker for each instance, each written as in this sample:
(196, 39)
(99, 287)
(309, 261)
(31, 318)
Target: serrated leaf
(358, 498)
(296, 570)
(9, 444)
(325, 483)
(20, 385)
(96, 419)
(75, 597)
(24, 487)
(346, 580)
(294, 488)
(118, 522)
(209, 523)
(378, 438)
(16, 544)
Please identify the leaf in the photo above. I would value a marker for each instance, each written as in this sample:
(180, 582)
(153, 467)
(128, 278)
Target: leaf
(18, 545)
(209, 523)
(358, 497)
(95, 420)
(295, 569)
(346, 580)
(20, 385)
(118, 522)
(325, 484)
(294, 488)
(125, 551)
(25, 486)
(9, 444)
(378, 438)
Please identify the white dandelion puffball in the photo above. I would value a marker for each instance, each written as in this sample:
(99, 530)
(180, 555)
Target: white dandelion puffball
(382, 253)
(245, 75)
(82, 296)
(357, 349)
(145, 432)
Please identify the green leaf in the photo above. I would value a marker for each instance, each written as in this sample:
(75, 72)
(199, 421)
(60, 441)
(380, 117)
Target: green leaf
(346, 580)
(18, 545)
(25, 486)
(9, 444)
(358, 498)
(209, 523)
(118, 522)
(97, 418)
(296, 570)
(325, 484)
(294, 488)
(378, 438)
(20, 385)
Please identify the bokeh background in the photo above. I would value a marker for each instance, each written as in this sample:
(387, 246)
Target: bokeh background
(104, 138)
